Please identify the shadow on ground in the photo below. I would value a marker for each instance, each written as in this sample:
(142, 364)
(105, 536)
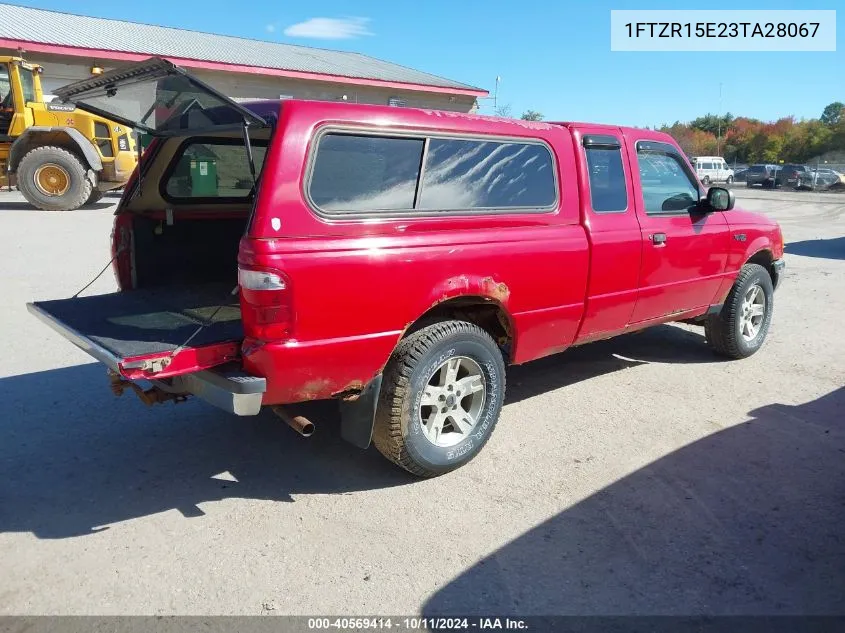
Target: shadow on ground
(25, 206)
(74, 458)
(662, 344)
(745, 521)
(828, 249)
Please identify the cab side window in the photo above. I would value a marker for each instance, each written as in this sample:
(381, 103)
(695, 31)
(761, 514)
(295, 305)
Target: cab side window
(5, 88)
(666, 185)
(608, 191)
(5, 100)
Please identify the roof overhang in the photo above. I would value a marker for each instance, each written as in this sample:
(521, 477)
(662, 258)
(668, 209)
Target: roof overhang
(73, 51)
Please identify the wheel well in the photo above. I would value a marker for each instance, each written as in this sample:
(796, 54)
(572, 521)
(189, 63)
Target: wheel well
(765, 259)
(489, 316)
(53, 138)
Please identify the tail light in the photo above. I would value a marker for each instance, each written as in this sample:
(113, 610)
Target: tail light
(265, 303)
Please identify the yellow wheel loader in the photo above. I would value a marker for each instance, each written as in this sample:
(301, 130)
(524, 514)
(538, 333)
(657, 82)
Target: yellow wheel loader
(60, 158)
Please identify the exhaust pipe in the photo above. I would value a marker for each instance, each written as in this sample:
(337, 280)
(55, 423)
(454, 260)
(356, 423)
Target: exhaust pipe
(298, 423)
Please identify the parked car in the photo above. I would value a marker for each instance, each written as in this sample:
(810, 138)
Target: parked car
(790, 175)
(396, 259)
(712, 169)
(763, 175)
(739, 174)
(820, 179)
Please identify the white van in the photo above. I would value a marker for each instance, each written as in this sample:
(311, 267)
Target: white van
(712, 169)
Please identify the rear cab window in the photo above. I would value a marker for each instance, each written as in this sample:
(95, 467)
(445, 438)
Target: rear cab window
(355, 174)
(27, 84)
(608, 185)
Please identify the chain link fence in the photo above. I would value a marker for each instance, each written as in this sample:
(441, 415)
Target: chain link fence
(820, 173)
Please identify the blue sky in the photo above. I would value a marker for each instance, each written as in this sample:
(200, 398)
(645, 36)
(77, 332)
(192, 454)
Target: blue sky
(553, 56)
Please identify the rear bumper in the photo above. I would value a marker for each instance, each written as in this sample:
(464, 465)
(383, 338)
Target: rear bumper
(229, 389)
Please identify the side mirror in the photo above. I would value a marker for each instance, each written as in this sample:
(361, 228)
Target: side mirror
(720, 199)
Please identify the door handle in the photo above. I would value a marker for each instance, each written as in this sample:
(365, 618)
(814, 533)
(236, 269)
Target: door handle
(659, 239)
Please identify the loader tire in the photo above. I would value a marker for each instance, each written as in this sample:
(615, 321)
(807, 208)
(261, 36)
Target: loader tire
(53, 179)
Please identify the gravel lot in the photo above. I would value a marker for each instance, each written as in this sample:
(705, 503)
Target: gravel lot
(638, 475)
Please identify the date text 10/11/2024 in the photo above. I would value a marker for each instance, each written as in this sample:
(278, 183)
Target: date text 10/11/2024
(418, 623)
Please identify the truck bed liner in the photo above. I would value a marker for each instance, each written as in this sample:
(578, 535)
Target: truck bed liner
(153, 320)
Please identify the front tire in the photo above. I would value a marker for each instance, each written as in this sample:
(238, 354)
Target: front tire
(53, 179)
(739, 330)
(729, 180)
(441, 397)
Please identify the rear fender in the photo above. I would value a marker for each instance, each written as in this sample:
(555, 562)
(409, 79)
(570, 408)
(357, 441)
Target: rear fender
(470, 285)
(358, 410)
(66, 137)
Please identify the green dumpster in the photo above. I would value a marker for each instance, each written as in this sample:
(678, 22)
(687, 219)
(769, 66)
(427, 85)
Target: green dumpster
(144, 140)
(203, 178)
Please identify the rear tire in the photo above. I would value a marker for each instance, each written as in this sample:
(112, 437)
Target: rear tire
(739, 330)
(53, 179)
(441, 398)
(705, 180)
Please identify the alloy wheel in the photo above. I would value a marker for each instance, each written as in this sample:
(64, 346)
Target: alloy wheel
(452, 401)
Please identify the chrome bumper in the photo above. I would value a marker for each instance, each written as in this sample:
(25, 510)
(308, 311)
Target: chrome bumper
(230, 390)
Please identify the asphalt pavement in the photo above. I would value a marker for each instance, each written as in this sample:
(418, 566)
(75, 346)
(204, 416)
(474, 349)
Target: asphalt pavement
(637, 475)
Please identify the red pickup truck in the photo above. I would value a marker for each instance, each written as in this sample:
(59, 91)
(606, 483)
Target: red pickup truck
(396, 260)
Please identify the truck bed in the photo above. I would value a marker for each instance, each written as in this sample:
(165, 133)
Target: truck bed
(148, 321)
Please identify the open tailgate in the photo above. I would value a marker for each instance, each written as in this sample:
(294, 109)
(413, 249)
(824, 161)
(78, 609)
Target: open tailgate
(151, 333)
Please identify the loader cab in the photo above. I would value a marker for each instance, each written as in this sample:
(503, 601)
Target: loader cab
(20, 85)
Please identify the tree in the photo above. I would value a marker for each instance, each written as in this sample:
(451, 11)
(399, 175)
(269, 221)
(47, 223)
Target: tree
(713, 123)
(504, 111)
(833, 113)
(532, 115)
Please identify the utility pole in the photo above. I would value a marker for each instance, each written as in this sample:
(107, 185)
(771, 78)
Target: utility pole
(719, 124)
(494, 98)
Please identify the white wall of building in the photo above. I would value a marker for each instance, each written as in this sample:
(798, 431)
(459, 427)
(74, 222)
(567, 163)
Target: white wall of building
(59, 71)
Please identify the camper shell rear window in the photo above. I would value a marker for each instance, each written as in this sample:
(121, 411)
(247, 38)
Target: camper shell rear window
(212, 169)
